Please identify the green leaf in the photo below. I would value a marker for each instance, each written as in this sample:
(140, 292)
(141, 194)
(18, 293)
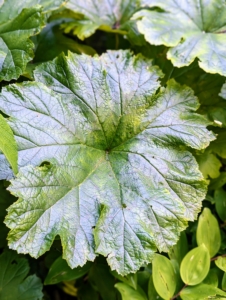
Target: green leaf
(128, 293)
(19, 20)
(221, 263)
(179, 250)
(223, 283)
(117, 153)
(223, 91)
(13, 285)
(219, 145)
(192, 29)
(220, 203)
(163, 276)
(195, 265)
(209, 164)
(60, 271)
(208, 232)
(51, 42)
(130, 279)
(102, 280)
(8, 144)
(201, 292)
(110, 17)
(211, 278)
(218, 182)
(152, 294)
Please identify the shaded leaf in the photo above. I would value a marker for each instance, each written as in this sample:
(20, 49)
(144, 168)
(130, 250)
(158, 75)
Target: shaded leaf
(117, 156)
(199, 31)
(209, 164)
(13, 285)
(208, 232)
(211, 278)
(220, 203)
(179, 250)
(60, 271)
(195, 265)
(130, 279)
(152, 294)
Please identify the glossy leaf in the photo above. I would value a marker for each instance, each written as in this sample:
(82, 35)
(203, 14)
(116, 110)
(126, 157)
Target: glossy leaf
(128, 293)
(13, 284)
(117, 154)
(163, 276)
(201, 292)
(152, 294)
(60, 271)
(8, 144)
(208, 232)
(19, 20)
(195, 265)
(192, 29)
(220, 203)
(221, 263)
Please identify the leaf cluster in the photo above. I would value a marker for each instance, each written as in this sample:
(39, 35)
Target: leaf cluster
(112, 149)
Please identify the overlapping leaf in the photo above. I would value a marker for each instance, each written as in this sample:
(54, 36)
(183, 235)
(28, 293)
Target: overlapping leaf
(106, 15)
(120, 181)
(18, 21)
(191, 28)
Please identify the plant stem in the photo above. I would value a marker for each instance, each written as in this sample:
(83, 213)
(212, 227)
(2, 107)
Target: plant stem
(216, 257)
(178, 294)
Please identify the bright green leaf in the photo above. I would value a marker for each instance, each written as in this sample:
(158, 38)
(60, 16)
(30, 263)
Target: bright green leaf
(116, 155)
(195, 265)
(60, 271)
(201, 292)
(208, 232)
(221, 263)
(179, 250)
(128, 293)
(163, 276)
(8, 144)
(192, 29)
(209, 164)
(220, 203)
(13, 285)
(19, 20)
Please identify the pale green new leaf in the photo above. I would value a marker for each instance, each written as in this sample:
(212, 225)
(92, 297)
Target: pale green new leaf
(13, 282)
(8, 144)
(19, 20)
(193, 29)
(120, 181)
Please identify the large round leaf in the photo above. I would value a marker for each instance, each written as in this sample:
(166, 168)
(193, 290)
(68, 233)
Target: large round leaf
(199, 31)
(120, 181)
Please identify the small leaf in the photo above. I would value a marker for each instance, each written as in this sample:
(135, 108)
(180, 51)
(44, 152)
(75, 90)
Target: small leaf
(8, 144)
(163, 276)
(220, 203)
(60, 271)
(128, 293)
(221, 263)
(208, 232)
(195, 265)
(201, 292)
(180, 249)
(209, 164)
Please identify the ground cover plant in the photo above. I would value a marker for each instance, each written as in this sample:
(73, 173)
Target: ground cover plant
(113, 160)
